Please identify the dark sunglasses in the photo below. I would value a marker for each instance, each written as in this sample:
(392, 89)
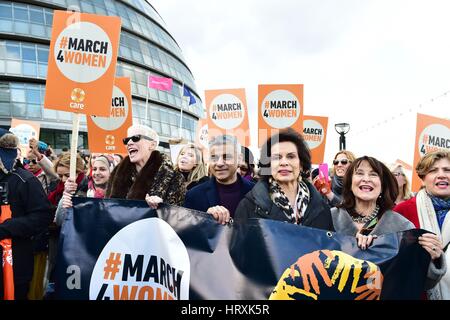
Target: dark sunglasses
(343, 162)
(27, 161)
(398, 174)
(135, 138)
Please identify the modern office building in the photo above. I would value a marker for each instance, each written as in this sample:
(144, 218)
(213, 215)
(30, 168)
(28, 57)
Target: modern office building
(146, 48)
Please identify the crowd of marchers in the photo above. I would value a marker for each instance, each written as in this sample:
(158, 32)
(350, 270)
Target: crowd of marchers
(358, 196)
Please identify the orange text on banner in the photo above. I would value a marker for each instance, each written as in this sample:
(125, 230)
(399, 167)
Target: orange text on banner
(432, 134)
(315, 135)
(105, 134)
(82, 62)
(280, 106)
(228, 114)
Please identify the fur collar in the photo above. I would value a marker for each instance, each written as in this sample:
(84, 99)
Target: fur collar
(154, 177)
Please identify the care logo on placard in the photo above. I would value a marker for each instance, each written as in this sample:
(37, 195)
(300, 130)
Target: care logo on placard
(83, 52)
(280, 109)
(433, 138)
(313, 133)
(77, 96)
(110, 139)
(146, 260)
(227, 111)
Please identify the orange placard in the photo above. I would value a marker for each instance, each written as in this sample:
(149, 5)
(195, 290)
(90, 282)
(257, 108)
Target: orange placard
(227, 113)
(432, 134)
(201, 135)
(7, 258)
(82, 62)
(315, 135)
(280, 106)
(202, 138)
(105, 134)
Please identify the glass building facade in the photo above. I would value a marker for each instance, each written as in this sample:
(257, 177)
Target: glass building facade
(146, 48)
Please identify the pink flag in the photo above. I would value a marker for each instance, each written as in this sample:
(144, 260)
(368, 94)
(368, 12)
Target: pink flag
(160, 83)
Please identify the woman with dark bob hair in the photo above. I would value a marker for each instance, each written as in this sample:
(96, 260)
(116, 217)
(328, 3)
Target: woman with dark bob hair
(369, 194)
(283, 192)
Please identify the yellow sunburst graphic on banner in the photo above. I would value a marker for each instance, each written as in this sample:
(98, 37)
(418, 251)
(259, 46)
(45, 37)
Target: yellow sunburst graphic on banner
(329, 274)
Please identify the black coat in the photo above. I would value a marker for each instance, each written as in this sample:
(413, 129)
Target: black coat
(30, 215)
(257, 204)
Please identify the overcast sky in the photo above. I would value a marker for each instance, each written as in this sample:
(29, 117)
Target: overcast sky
(371, 63)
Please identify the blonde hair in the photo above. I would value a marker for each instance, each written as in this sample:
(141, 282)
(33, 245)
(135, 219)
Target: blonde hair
(199, 170)
(350, 156)
(64, 161)
(427, 161)
(406, 189)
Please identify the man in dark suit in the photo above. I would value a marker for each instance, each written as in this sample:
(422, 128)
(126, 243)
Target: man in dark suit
(220, 195)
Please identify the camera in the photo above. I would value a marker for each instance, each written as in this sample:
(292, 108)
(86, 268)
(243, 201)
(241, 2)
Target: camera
(3, 193)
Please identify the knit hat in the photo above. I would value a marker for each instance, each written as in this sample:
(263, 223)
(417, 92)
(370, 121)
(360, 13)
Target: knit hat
(107, 162)
(8, 150)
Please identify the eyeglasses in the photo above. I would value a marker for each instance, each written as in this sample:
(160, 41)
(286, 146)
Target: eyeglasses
(342, 161)
(27, 161)
(136, 138)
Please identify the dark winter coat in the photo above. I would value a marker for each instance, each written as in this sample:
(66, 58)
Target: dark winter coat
(257, 204)
(157, 178)
(206, 195)
(30, 215)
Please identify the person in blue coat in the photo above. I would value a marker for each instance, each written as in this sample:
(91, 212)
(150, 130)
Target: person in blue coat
(220, 195)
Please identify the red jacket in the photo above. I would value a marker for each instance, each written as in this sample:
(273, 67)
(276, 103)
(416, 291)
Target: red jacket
(408, 209)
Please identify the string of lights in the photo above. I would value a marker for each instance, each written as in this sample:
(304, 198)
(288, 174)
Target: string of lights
(404, 113)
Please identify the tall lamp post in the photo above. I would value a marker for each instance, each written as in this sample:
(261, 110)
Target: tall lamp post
(342, 129)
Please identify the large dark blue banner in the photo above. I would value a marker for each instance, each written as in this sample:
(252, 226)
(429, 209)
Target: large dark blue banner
(117, 249)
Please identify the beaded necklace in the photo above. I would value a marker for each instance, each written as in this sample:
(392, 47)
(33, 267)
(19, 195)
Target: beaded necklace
(365, 219)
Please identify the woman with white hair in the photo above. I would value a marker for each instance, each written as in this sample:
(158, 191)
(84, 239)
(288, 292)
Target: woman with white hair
(146, 174)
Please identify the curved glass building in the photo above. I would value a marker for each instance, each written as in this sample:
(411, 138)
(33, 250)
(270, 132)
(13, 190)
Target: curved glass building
(146, 48)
